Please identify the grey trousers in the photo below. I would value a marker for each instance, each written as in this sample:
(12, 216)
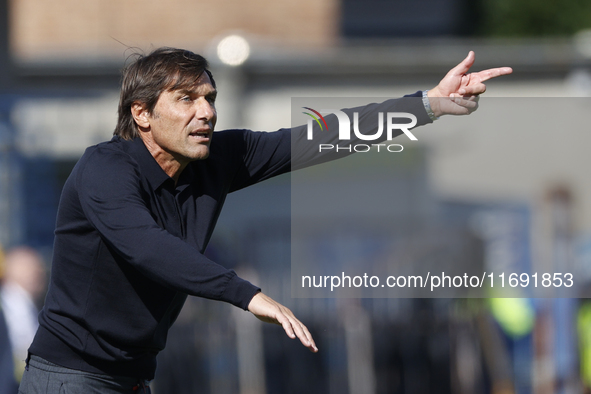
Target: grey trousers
(44, 377)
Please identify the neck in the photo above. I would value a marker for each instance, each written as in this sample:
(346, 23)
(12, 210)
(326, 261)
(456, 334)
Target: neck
(170, 164)
(172, 167)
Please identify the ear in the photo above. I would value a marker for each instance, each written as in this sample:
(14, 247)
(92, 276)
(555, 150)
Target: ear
(140, 115)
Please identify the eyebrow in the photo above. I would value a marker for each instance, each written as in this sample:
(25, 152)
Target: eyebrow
(213, 92)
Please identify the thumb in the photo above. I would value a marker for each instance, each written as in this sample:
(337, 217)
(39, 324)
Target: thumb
(465, 65)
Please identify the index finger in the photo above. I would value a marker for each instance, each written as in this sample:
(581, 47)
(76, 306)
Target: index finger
(312, 345)
(485, 75)
(301, 331)
(295, 329)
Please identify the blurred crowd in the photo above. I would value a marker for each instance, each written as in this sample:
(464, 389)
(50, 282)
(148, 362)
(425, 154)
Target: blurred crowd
(23, 280)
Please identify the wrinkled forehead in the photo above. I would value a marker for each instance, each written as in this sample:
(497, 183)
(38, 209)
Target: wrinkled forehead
(187, 80)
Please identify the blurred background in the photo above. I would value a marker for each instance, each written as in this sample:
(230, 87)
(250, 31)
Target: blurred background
(508, 197)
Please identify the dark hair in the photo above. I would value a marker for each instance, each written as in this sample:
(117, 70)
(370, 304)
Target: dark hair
(149, 75)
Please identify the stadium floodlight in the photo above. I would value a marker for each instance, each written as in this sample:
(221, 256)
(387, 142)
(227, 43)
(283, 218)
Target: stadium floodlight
(233, 50)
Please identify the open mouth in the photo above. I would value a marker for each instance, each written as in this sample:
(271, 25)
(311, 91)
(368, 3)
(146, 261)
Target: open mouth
(200, 134)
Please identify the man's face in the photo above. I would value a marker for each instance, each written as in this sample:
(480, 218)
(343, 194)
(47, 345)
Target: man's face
(182, 122)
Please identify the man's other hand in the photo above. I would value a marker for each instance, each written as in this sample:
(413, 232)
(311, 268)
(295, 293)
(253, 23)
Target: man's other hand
(457, 93)
(270, 311)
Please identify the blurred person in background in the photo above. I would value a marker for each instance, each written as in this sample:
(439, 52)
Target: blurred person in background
(22, 291)
(8, 384)
(137, 213)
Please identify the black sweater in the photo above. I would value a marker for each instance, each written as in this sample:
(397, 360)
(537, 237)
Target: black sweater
(129, 245)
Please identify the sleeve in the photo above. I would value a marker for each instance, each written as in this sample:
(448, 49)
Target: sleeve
(269, 154)
(110, 193)
(264, 155)
(306, 149)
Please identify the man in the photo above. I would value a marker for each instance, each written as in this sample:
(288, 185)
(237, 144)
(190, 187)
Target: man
(136, 215)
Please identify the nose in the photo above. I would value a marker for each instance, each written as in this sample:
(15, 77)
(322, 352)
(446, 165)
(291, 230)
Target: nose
(206, 110)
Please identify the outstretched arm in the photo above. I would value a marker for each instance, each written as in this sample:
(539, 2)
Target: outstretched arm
(270, 311)
(457, 93)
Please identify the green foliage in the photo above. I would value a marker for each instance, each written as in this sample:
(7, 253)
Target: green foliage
(535, 18)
